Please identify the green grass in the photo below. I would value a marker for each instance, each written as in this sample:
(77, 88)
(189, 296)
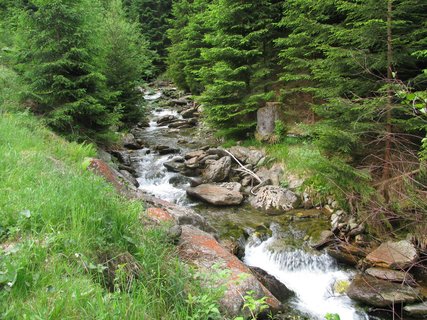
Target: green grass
(58, 221)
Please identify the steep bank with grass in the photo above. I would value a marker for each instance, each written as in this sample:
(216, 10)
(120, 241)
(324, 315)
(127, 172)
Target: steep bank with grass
(70, 247)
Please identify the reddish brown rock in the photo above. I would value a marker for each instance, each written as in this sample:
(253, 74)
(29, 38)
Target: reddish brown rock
(394, 255)
(159, 215)
(203, 251)
(120, 183)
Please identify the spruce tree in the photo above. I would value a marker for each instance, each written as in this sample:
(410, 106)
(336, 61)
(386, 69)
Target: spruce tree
(127, 61)
(153, 16)
(187, 32)
(65, 81)
(238, 76)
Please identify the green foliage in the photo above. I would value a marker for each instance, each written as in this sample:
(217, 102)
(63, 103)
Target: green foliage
(152, 16)
(253, 305)
(66, 82)
(279, 130)
(332, 316)
(239, 73)
(11, 89)
(203, 307)
(127, 60)
(188, 28)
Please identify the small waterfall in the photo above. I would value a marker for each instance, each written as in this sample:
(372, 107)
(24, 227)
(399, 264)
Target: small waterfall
(311, 276)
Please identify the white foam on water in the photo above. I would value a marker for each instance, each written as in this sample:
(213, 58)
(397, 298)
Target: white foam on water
(153, 96)
(310, 276)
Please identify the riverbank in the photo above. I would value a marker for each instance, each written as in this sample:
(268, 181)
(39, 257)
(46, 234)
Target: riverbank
(70, 246)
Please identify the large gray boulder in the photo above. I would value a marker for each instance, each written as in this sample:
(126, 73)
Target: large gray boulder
(394, 255)
(220, 195)
(275, 200)
(217, 171)
(381, 293)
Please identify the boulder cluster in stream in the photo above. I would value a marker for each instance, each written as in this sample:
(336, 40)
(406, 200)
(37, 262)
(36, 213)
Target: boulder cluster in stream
(226, 177)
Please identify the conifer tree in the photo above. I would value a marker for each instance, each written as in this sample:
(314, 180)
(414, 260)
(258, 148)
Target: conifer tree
(238, 76)
(187, 32)
(127, 61)
(153, 17)
(66, 82)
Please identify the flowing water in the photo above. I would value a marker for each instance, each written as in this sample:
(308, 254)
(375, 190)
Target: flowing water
(310, 274)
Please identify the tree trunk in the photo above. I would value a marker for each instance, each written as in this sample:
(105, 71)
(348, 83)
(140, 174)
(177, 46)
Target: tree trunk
(389, 105)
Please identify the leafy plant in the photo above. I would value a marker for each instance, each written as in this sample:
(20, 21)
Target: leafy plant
(203, 307)
(332, 316)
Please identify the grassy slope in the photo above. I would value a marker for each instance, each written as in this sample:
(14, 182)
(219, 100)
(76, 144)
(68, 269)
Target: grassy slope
(57, 219)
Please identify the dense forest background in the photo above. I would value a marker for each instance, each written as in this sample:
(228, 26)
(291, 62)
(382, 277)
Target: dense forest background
(351, 77)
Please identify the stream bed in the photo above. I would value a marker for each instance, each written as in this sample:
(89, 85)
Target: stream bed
(281, 249)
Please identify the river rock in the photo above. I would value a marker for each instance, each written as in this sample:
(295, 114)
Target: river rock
(182, 215)
(179, 102)
(266, 120)
(209, 257)
(274, 174)
(162, 150)
(175, 165)
(189, 113)
(120, 183)
(104, 155)
(216, 194)
(174, 233)
(391, 275)
(122, 156)
(217, 170)
(165, 120)
(247, 155)
(275, 200)
(159, 215)
(178, 124)
(394, 255)
(326, 237)
(343, 257)
(129, 177)
(126, 168)
(417, 310)
(278, 289)
(130, 142)
(380, 293)
(195, 154)
(208, 158)
(192, 163)
(346, 253)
